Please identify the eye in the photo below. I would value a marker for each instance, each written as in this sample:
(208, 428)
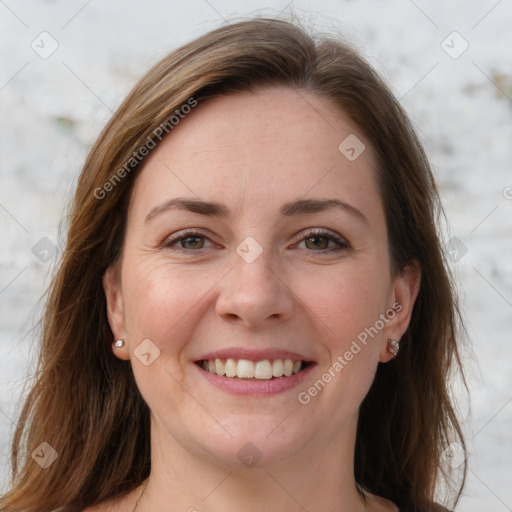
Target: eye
(315, 240)
(190, 240)
(323, 241)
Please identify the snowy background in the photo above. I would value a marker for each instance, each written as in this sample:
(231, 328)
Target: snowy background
(66, 65)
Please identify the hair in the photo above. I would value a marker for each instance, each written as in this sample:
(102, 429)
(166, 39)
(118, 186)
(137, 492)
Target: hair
(85, 402)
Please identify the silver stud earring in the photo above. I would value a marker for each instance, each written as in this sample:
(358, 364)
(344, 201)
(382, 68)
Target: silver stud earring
(118, 344)
(393, 346)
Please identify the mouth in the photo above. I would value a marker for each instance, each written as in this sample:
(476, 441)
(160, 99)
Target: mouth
(245, 369)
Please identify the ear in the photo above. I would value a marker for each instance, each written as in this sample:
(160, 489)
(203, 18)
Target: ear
(406, 287)
(115, 310)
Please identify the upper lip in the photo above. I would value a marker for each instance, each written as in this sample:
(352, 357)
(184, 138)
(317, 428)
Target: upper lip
(253, 354)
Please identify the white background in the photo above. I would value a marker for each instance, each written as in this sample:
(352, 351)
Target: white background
(53, 108)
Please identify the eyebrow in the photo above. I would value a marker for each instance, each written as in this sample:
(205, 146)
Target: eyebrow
(213, 209)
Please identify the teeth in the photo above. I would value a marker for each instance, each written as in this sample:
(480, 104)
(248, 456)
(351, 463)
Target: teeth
(277, 368)
(262, 370)
(288, 367)
(245, 369)
(220, 368)
(231, 368)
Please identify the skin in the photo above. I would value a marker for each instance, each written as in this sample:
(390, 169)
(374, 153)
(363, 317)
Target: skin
(253, 152)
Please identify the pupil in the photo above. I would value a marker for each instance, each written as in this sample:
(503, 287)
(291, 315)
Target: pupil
(192, 241)
(318, 241)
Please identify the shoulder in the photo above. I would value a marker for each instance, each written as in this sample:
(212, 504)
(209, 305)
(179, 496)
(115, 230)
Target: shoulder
(105, 506)
(433, 507)
(123, 503)
(101, 507)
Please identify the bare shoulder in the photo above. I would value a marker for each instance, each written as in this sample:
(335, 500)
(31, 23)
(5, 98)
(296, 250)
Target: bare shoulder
(432, 507)
(101, 507)
(378, 504)
(124, 503)
(108, 506)
(95, 508)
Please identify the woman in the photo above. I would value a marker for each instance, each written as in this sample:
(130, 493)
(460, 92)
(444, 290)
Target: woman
(253, 310)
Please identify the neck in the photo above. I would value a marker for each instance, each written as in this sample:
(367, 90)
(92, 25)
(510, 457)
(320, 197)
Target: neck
(319, 476)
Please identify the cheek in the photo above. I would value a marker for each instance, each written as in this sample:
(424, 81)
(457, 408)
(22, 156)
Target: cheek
(152, 303)
(345, 301)
(161, 305)
(347, 307)
(347, 304)
(162, 301)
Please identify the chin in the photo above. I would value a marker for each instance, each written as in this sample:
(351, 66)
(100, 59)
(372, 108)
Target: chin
(255, 447)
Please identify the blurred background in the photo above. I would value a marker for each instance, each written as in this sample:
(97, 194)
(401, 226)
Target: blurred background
(67, 65)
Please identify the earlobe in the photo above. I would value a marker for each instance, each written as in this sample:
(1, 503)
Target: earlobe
(115, 311)
(406, 289)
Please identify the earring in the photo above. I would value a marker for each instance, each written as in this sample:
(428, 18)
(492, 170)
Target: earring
(118, 344)
(393, 346)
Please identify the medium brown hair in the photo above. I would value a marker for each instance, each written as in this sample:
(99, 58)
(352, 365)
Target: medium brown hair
(85, 402)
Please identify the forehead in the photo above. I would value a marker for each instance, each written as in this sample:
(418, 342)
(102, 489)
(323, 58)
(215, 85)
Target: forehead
(275, 144)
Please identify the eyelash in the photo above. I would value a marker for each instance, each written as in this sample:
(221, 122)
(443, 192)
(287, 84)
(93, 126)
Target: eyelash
(342, 243)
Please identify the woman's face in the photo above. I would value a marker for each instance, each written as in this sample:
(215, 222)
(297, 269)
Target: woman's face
(253, 235)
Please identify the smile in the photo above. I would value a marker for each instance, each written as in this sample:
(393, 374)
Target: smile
(263, 378)
(246, 369)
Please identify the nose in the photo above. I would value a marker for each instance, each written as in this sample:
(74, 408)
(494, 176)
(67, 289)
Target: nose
(254, 293)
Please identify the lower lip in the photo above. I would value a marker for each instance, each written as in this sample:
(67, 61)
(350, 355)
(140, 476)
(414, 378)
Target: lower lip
(241, 387)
